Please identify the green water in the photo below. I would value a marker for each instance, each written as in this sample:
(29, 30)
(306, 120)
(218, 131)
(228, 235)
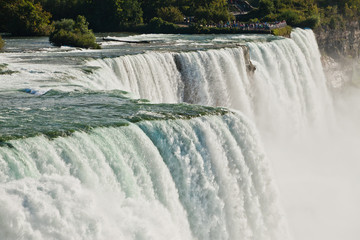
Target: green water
(59, 113)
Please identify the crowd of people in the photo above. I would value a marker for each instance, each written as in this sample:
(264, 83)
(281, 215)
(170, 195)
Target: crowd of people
(253, 26)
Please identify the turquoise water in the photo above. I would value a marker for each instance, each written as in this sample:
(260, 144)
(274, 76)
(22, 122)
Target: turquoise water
(61, 113)
(44, 89)
(170, 140)
(82, 157)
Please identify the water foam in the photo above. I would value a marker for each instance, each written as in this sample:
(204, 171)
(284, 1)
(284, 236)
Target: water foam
(205, 178)
(288, 85)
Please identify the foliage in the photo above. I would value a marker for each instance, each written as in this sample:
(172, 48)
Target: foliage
(73, 33)
(170, 14)
(64, 8)
(209, 10)
(110, 15)
(307, 13)
(157, 25)
(2, 43)
(292, 17)
(24, 17)
(150, 7)
(311, 22)
(285, 31)
(31, 17)
(212, 11)
(266, 7)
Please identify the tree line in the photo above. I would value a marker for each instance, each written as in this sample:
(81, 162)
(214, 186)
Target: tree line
(308, 13)
(34, 17)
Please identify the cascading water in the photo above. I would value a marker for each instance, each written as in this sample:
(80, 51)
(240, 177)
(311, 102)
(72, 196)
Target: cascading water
(204, 178)
(288, 84)
(81, 161)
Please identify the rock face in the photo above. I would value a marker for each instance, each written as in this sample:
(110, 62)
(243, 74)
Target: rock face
(337, 73)
(250, 67)
(340, 43)
(341, 52)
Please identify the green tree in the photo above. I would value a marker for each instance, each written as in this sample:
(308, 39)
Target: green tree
(170, 14)
(73, 33)
(64, 8)
(110, 15)
(266, 7)
(292, 17)
(150, 7)
(157, 25)
(24, 17)
(212, 11)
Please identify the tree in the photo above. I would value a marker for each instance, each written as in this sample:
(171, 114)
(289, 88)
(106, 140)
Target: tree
(64, 8)
(24, 17)
(170, 14)
(73, 33)
(212, 11)
(150, 7)
(266, 7)
(110, 15)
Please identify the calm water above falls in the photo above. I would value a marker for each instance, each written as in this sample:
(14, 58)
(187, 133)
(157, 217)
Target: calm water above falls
(80, 151)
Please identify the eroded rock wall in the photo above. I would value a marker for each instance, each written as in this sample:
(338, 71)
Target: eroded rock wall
(340, 43)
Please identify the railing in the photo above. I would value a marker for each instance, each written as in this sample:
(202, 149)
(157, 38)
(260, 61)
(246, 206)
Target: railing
(252, 26)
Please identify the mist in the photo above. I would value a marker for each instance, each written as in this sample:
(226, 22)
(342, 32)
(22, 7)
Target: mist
(317, 171)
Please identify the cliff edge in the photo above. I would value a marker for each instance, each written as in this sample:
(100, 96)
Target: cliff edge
(339, 43)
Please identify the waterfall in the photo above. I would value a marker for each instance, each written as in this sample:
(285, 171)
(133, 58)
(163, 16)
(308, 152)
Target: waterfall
(152, 76)
(211, 77)
(288, 84)
(203, 178)
(80, 161)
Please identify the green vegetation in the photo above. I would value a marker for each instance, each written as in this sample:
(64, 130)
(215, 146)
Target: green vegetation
(24, 17)
(158, 25)
(32, 17)
(2, 43)
(307, 13)
(285, 31)
(297, 13)
(70, 33)
(126, 14)
(170, 14)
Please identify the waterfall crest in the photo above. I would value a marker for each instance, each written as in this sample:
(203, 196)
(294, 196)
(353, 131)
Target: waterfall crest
(288, 84)
(204, 178)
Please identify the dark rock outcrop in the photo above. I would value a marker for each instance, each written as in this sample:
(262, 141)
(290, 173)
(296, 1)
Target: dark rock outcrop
(250, 67)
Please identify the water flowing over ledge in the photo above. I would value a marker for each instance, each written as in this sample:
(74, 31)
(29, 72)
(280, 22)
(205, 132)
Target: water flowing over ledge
(204, 178)
(82, 152)
(287, 85)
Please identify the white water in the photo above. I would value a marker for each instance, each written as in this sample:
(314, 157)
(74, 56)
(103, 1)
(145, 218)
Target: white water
(288, 85)
(205, 178)
(310, 141)
(317, 172)
(158, 79)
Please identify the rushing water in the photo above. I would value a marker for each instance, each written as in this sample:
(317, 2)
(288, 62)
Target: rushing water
(133, 141)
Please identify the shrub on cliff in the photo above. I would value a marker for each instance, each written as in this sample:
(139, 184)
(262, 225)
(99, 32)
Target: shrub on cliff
(311, 22)
(73, 33)
(285, 31)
